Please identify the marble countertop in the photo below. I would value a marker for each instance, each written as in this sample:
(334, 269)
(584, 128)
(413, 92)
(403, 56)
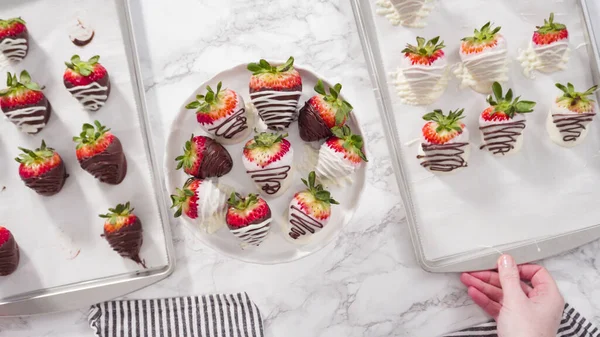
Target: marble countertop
(367, 282)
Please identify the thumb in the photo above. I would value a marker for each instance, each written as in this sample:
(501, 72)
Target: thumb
(509, 278)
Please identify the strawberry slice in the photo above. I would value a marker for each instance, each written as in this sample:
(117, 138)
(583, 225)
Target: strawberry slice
(101, 154)
(579, 102)
(87, 81)
(441, 128)
(504, 108)
(481, 40)
(9, 252)
(24, 103)
(14, 39)
(124, 233)
(550, 32)
(203, 157)
(248, 218)
(266, 148)
(42, 170)
(425, 52)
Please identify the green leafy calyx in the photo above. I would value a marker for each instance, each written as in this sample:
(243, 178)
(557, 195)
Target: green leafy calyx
(507, 104)
(239, 202)
(181, 196)
(37, 156)
(450, 122)
(351, 142)
(341, 107)
(317, 190)
(485, 34)
(15, 84)
(204, 103)
(90, 134)
(424, 48)
(263, 67)
(113, 215)
(550, 26)
(84, 68)
(266, 140)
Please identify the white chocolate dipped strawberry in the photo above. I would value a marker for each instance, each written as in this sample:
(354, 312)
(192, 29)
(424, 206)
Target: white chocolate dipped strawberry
(409, 13)
(340, 155)
(570, 115)
(202, 202)
(548, 50)
(445, 142)
(248, 218)
(222, 114)
(268, 159)
(503, 122)
(423, 74)
(483, 59)
(309, 211)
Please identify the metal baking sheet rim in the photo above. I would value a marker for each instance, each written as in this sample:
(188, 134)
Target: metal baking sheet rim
(82, 294)
(486, 258)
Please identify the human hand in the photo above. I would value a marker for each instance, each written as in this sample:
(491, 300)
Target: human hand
(520, 309)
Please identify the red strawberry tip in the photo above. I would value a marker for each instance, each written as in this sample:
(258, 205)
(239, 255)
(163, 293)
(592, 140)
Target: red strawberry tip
(83, 68)
(9, 22)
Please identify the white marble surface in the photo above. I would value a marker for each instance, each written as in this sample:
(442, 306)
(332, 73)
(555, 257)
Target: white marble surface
(367, 282)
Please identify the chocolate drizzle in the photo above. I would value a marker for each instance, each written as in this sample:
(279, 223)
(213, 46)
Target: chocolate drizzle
(216, 161)
(500, 138)
(92, 96)
(311, 126)
(571, 126)
(50, 182)
(127, 241)
(303, 224)
(13, 50)
(30, 118)
(443, 157)
(9, 256)
(233, 125)
(277, 108)
(109, 166)
(270, 179)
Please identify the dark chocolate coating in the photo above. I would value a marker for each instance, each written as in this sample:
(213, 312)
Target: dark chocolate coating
(50, 182)
(82, 43)
(127, 241)
(311, 126)
(104, 81)
(46, 114)
(9, 256)
(109, 166)
(266, 116)
(23, 35)
(216, 161)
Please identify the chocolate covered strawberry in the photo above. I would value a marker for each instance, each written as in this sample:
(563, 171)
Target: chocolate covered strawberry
(268, 159)
(340, 155)
(275, 91)
(124, 233)
(42, 170)
(24, 103)
(484, 59)
(444, 145)
(9, 252)
(87, 81)
(322, 112)
(222, 114)
(548, 50)
(202, 202)
(14, 39)
(309, 211)
(203, 157)
(248, 218)
(503, 122)
(570, 115)
(101, 154)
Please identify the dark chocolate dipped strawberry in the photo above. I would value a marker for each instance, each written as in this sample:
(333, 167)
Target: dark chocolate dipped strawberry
(124, 233)
(101, 154)
(24, 103)
(275, 91)
(14, 39)
(9, 252)
(42, 170)
(322, 112)
(87, 81)
(203, 158)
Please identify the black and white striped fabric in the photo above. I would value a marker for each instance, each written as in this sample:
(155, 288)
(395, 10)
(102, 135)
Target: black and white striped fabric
(572, 325)
(220, 315)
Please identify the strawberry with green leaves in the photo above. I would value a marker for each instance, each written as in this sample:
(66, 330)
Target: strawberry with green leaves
(248, 218)
(441, 129)
(101, 154)
(425, 53)
(203, 158)
(503, 122)
(340, 155)
(310, 210)
(268, 160)
(323, 112)
(570, 115)
(42, 170)
(550, 32)
(124, 233)
(275, 91)
(222, 113)
(14, 39)
(201, 202)
(9, 252)
(87, 81)
(24, 103)
(482, 40)
(549, 49)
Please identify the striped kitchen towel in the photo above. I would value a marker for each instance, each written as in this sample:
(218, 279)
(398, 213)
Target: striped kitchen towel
(572, 324)
(207, 316)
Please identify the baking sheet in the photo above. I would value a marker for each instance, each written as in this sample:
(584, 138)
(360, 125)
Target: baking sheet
(497, 201)
(59, 236)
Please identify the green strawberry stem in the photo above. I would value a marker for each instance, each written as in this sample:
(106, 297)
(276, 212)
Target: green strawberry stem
(90, 134)
(575, 97)
(266, 140)
(317, 190)
(84, 68)
(486, 34)
(351, 141)
(7, 23)
(342, 107)
(120, 211)
(424, 48)
(550, 26)
(263, 67)
(181, 196)
(446, 123)
(39, 155)
(14, 84)
(506, 104)
(186, 159)
(204, 103)
(239, 202)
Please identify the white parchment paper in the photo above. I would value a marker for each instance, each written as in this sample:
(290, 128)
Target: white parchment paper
(59, 236)
(542, 190)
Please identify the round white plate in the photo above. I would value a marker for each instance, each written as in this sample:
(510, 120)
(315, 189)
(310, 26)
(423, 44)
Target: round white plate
(276, 248)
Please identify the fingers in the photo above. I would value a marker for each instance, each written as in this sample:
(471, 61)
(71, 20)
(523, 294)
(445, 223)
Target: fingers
(493, 278)
(491, 291)
(510, 279)
(542, 281)
(490, 307)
